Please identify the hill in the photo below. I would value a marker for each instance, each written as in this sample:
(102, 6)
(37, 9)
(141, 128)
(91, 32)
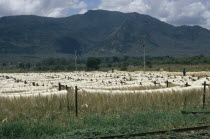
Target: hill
(100, 33)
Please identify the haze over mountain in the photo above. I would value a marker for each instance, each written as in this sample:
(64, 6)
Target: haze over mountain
(100, 33)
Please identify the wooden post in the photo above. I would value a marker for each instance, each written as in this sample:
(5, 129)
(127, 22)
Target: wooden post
(184, 72)
(76, 101)
(204, 95)
(59, 86)
(186, 84)
(67, 98)
(167, 83)
(155, 83)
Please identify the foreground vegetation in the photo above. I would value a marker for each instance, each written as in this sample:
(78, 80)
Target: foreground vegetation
(98, 124)
(48, 117)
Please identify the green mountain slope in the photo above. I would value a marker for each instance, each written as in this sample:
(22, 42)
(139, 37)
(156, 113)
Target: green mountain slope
(99, 33)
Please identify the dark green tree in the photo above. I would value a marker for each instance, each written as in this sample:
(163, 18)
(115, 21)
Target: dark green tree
(21, 65)
(115, 59)
(124, 66)
(4, 64)
(149, 64)
(93, 63)
(27, 65)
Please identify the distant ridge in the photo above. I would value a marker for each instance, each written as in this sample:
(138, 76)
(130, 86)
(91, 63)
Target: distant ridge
(100, 33)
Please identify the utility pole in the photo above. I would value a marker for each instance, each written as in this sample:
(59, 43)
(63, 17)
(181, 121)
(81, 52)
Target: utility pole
(144, 58)
(76, 60)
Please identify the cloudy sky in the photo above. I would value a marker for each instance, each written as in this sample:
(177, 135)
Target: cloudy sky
(176, 12)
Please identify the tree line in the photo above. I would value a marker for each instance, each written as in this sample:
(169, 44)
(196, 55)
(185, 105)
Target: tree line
(99, 63)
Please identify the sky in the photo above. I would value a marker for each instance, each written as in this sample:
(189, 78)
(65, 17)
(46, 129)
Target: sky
(176, 12)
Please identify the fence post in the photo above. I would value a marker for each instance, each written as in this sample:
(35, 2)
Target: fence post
(155, 83)
(186, 84)
(184, 72)
(67, 98)
(76, 101)
(167, 83)
(204, 95)
(59, 86)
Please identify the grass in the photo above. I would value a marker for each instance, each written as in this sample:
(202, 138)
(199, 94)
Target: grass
(133, 123)
(97, 124)
(47, 117)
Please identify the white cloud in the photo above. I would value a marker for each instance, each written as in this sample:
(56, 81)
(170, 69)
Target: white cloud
(206, 15)
(125, 5)
(83, 11)
(193, 9)
(177, 12)
(56, 12)
(79, 5)
(50, 8)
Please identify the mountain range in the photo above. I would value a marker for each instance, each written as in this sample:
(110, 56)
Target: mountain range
(100, 33)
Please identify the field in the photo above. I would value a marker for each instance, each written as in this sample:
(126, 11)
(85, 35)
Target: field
(43, 104)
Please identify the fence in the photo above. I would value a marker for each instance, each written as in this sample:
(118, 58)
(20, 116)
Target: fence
(76, 96)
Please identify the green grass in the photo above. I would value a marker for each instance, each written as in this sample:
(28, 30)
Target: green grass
(42, 117)
(98, 124)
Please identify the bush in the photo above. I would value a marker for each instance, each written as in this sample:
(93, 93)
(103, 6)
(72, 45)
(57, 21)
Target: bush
(93, 63)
